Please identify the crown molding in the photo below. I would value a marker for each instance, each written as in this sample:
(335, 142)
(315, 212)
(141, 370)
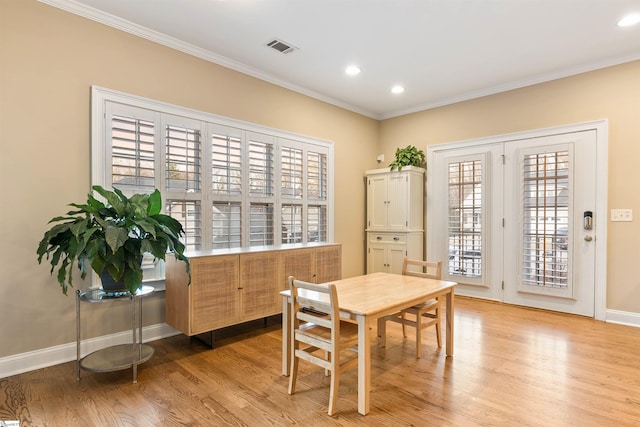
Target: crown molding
(113, 21)
(140, 31)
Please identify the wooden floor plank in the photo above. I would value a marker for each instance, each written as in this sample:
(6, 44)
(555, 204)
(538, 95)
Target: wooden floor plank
(512, 366)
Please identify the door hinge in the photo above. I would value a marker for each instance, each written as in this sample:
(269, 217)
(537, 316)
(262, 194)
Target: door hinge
(503, 285)
(503, 159)
(503, 222)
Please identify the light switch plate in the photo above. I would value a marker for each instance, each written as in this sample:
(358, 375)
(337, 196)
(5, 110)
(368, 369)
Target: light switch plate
(621, 215)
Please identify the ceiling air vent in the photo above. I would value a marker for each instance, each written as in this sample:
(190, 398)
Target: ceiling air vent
(281, 46)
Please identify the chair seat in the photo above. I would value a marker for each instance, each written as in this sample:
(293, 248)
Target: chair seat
(348, 333)
(425, 306)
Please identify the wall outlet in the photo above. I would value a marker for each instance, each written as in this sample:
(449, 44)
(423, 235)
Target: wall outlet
(621, 215)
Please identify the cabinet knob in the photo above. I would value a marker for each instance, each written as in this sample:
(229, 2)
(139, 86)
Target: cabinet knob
(396, 238)
(379, 238)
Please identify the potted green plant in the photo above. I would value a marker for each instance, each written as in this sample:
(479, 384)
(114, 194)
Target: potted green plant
(111, 238)
(408, 156)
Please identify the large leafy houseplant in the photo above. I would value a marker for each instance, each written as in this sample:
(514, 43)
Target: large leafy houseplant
(111, 237)
(408, 156)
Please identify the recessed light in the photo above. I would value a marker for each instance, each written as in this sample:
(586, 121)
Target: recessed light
(397, 89)
(352, 70)
(629, 20)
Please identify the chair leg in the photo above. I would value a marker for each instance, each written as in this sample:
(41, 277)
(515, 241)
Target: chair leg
(418, 335)
(326, 357)
(333, 390)
(438, 331)
(293, 375)
(404, 327)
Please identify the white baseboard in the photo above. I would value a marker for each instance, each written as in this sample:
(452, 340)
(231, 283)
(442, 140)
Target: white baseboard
(32, 360)
(623, 317)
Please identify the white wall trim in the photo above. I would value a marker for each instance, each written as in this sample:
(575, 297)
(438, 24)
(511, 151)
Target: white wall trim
(623, 318)
(32, 360)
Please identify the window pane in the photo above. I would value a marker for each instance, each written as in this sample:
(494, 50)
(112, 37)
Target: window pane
(291, 173)
(132, 153)
(226, 167)
(546, 219)
(317, 223)
(188, 213)
(226, 225)
(183, 159)
(316, 176)
(465, 218)
(291, 223)
(261, 224)
(260, 169)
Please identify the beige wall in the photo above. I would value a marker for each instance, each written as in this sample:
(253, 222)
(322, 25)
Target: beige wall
(612, 93)
(48, 60)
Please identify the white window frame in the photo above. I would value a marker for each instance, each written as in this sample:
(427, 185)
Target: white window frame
(104, 100)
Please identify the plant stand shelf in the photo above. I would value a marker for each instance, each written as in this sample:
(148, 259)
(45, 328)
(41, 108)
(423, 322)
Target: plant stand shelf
(121, 356)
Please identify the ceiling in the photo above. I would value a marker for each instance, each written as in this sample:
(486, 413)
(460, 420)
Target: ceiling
(441, 51)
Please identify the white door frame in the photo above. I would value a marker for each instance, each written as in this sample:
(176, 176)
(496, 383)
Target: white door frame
(600, 215)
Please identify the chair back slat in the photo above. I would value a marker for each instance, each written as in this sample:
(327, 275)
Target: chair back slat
(418, 268)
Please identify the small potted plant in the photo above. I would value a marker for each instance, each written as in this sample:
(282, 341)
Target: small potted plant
(111, 238)
(408, 156)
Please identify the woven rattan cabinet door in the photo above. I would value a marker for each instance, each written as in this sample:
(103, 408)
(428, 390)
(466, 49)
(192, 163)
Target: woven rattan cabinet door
(259, 285)
(215, 298)
(298, 263)
(328, 263)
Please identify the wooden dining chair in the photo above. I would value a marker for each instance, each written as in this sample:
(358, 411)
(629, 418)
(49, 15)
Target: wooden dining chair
(424, 314)
(319, 337)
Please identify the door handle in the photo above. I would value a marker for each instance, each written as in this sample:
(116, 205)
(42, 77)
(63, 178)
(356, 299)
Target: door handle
(588, 238)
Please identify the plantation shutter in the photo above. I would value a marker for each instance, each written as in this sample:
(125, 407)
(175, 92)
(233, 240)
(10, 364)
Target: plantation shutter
(132, 150)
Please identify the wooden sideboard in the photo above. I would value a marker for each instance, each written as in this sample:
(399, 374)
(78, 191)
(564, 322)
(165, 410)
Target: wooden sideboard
(230, 287)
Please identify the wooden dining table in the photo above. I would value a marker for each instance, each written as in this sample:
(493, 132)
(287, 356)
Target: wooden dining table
(364, 300)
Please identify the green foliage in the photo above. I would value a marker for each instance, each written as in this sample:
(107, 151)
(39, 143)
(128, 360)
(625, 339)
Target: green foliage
(408, 156)
(111, 237)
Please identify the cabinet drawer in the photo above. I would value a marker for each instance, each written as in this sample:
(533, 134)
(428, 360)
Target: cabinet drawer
(387, 238)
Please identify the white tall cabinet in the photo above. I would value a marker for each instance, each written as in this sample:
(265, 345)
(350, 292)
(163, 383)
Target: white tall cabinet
(395, 217)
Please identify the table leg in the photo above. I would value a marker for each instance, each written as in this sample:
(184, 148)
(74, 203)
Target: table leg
(286, 339)
(364, 365)
(450, 323)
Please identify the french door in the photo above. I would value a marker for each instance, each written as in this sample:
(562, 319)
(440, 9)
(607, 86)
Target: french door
(513, 218)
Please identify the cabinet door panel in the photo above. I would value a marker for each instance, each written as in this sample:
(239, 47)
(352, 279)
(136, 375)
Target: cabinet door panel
(395, 258)
(397, 205)
(377, 202)
(328, 264)
(376, 258)
(298, 263)
(259, 285)
(214, 293)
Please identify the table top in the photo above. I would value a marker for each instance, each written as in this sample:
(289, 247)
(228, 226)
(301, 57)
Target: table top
(372, 294)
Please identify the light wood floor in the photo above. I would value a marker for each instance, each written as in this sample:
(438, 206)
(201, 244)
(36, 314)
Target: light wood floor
(512, 367)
